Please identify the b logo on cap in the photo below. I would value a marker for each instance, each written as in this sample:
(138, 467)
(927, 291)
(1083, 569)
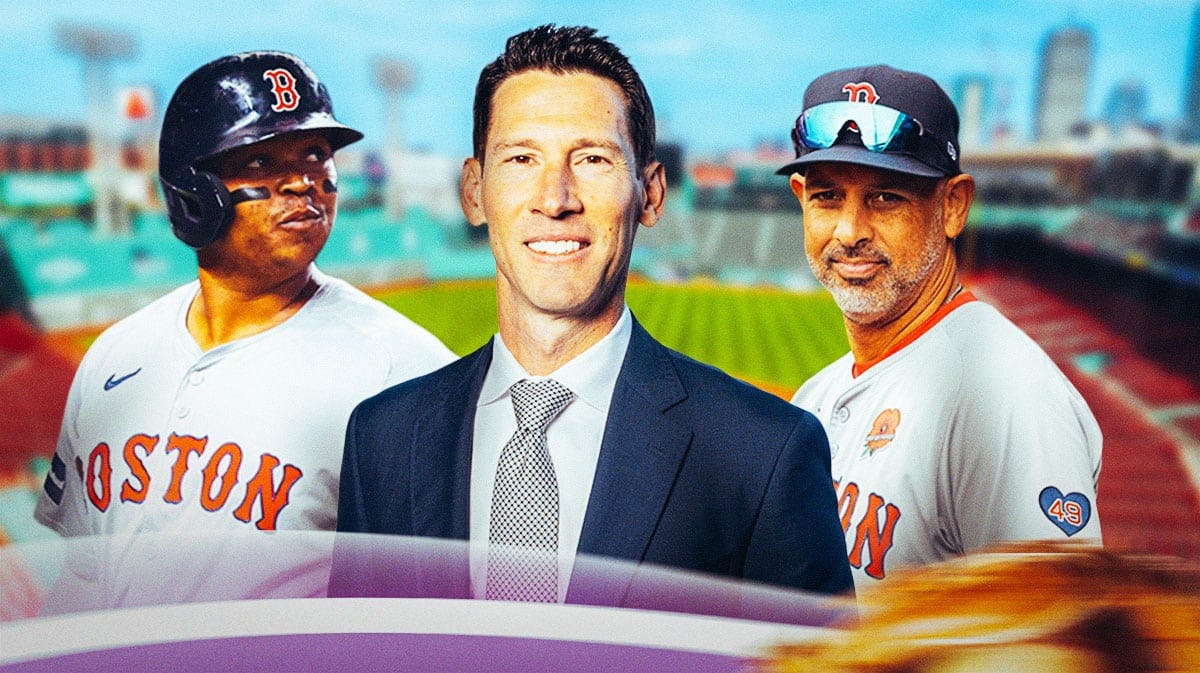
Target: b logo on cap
(861, 92)
(283, 85)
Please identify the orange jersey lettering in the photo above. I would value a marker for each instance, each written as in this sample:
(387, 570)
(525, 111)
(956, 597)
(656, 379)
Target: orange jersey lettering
(228, 478)
(261, 488)
(876, 538)
(185, 445)
(99, 469)
(137, 468)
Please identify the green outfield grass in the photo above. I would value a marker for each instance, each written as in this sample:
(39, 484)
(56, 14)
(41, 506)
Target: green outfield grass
(770, 337)
(460, 313)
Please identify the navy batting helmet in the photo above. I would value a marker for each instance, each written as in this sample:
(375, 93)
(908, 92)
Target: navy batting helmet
(234, 101)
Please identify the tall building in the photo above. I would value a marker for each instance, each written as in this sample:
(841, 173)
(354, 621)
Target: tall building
(973, 97)
(1191, 102)
(1126, 105)
(1063, 81)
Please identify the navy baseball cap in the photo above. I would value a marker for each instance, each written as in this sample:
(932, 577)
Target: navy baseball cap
(877, 116)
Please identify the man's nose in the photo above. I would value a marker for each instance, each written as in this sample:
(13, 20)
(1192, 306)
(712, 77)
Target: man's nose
(556, 191)
(853, 225)
(298, 182)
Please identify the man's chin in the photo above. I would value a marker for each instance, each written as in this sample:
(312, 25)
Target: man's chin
(859, 305)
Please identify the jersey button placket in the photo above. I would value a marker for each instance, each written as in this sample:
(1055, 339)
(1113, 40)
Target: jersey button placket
(191, 381)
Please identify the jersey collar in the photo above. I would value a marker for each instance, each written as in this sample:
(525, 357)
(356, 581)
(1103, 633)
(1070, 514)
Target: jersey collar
(964, 297)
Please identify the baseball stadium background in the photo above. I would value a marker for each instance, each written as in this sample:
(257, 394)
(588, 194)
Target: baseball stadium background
(1086, 230)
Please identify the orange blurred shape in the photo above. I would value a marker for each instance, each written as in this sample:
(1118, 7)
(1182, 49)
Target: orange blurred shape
(137, 107)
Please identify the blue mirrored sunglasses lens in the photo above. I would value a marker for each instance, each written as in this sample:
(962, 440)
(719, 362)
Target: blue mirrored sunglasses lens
(820, 125)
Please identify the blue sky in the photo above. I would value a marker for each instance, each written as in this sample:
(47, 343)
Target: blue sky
(722, 75)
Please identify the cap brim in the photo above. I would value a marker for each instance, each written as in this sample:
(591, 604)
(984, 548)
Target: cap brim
(338, 134)
(849, 154)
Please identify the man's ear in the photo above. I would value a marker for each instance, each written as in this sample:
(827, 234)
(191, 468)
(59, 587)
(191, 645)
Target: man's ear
(956, 203)
(470, 191)
(797, 184)
(654, 181)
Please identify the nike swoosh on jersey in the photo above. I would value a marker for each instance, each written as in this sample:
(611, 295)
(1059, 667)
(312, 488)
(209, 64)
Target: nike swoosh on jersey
(113, 382)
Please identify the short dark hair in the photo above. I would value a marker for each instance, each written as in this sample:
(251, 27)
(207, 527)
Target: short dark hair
(560, 50)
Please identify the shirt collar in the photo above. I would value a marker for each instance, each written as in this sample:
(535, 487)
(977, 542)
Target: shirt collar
(591, 375)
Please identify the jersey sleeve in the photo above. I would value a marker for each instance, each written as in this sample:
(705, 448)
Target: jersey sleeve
(416, 353)
(61, 503)
(1023, 464)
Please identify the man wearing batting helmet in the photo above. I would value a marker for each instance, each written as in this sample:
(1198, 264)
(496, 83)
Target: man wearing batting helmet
(224, 403)
(950, 429)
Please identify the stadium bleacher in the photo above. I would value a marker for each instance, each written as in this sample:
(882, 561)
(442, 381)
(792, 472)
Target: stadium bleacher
(736, 247)
(74, 276)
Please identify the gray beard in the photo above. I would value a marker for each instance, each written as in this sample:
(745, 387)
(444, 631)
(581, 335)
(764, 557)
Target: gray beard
(863, 303)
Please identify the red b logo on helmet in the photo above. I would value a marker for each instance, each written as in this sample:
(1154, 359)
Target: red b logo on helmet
(283, 85)
(861, 92)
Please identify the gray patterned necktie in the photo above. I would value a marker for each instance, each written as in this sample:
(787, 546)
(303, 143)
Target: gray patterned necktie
(523, 535)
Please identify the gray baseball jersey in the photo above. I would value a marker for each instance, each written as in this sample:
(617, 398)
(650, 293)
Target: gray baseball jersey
(966, 436)
(161, 436)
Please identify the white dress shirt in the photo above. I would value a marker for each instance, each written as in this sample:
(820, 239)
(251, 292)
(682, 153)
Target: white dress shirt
(573, 439)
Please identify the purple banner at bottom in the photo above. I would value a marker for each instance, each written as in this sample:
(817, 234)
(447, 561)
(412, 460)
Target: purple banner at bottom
(393, 652)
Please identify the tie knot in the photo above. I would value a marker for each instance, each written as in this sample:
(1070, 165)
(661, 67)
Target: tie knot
(538, 402)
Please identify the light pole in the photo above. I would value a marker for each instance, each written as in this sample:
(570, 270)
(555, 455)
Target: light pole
(394, 77)
(97, 49)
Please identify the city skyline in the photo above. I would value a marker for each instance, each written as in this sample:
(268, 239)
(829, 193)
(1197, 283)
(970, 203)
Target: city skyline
(1064, 76)
(722, 77)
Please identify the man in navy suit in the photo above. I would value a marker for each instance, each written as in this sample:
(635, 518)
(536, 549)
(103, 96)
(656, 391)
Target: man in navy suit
(642, 453)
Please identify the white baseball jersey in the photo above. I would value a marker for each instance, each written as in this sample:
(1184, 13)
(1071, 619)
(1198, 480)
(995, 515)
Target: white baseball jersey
(966, 436)
(160, 436)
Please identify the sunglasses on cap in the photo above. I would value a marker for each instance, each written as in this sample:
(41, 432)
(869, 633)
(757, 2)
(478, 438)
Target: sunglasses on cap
(881, 129)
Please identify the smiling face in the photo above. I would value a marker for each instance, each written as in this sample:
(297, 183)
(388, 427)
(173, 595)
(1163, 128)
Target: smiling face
(561, 194)
(875, 238)
(275, 238)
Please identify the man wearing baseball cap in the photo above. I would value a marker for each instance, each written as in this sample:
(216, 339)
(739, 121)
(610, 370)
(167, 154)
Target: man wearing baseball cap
(950, 429)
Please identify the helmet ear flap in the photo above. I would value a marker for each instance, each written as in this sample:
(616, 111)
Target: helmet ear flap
(199, 206)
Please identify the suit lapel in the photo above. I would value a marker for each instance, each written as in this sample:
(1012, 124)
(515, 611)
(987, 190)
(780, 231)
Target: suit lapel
(441, 452)
(640, 454)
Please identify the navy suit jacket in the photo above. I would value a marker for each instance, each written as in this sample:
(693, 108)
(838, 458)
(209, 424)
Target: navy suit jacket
(696, 470)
